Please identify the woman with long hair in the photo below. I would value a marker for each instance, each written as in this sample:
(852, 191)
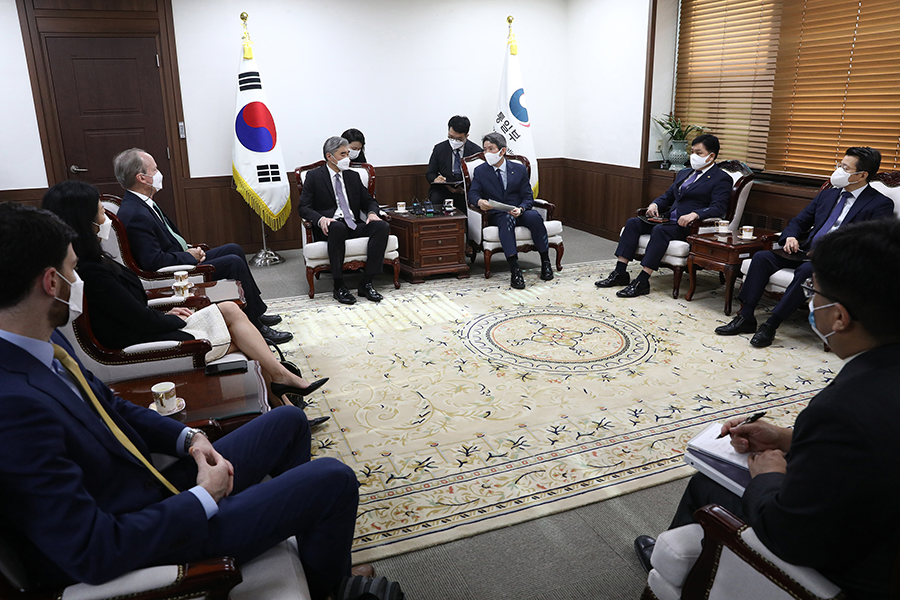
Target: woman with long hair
(119, 314)
(357, 145)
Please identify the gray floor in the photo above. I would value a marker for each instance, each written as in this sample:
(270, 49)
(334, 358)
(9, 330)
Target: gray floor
(582, 553)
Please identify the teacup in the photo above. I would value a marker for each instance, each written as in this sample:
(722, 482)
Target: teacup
(448, 205)
(164, 396)
(401, 207)
(747, 232)
(181, 276)
(723, 226)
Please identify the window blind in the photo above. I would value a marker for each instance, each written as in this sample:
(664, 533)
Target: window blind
(727, 57)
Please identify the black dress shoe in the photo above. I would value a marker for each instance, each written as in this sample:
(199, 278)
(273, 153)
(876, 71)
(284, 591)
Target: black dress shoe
(275, 337)
(764, 336)
(279, 389)
(269, 320)
(738, 325)
(634, 289)
(614, 279)
(546, 271)
(517, 280)
(344, 296)
(643, 547)
(369, 293)
(317, 421)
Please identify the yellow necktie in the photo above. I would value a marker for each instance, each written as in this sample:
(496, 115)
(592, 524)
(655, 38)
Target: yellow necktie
(72, 367)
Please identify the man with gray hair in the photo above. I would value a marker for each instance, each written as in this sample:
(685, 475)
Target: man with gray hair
(157, 243)
(507, 182)
(340, 207)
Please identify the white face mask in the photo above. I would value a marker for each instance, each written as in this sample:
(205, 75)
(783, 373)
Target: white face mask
(343, 164)
(456, 144)
(76, 295)
(492, 158)
(812, 320)
(157, 180)
(840, 178)
(698, 162)
(354, 154)
(105, 228)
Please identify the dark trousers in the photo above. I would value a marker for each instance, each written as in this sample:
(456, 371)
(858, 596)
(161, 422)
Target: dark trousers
(231, 263)
(438, 193)
(315, 501)
(339, 233)
(506, 223)
(762, 266)
(660, 236)
(702, 490)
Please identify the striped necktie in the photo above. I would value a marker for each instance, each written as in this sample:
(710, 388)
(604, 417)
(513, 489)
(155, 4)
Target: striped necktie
(72, 367)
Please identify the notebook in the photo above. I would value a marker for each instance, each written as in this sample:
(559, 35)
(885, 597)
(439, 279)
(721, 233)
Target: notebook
(716, 459)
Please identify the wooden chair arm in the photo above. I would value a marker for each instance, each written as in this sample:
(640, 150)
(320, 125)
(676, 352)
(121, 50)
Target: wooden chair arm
(216, 577)
(195, 302)
(548, 206)
(202, 269)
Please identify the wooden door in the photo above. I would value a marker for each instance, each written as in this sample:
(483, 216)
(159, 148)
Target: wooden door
(109, 98)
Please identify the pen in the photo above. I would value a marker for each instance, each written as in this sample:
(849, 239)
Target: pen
(751, 419)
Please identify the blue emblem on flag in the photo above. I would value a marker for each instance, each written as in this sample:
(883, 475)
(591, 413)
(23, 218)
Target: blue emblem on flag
(515, 106)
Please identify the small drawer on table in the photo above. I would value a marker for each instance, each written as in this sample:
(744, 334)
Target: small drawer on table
(439, 243)
(446, 258)
(437, 229)
(714, 252)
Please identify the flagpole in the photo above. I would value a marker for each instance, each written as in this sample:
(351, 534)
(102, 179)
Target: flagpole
(266, 257)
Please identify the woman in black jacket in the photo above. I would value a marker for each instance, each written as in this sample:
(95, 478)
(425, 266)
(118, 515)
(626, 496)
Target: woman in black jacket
(119, 314)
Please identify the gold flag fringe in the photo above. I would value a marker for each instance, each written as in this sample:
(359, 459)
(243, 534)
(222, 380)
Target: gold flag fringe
(275, 222)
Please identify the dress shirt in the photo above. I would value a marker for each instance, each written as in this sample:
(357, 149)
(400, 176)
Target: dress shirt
(43, 352)
(502, 169)
(338, 213)
(848, 204)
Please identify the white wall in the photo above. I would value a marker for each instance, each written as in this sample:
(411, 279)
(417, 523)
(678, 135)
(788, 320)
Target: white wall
(606, 55)
(21, 159)
(397, 70)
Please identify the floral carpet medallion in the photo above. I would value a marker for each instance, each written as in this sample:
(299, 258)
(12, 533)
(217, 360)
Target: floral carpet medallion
(465, 405)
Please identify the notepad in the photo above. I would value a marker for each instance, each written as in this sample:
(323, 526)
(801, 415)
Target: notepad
(716, 459)
(721, 449)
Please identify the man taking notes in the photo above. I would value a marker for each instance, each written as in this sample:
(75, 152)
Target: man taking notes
(445, 164)
(824, 494)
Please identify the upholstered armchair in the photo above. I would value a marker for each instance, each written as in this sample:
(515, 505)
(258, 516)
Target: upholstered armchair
(485, 238)
(677, 253)
(721, 558)
(315, 254)
(118, 248)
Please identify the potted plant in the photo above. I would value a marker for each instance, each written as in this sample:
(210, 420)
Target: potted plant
(678, 133)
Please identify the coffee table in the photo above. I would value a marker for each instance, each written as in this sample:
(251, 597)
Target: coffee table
(230, 399)
(431, 245)
(723, 252)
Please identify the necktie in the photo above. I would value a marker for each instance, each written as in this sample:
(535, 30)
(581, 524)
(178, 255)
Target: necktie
(457, 169)
(165, 221)
(832, 218)
(690, 180)
(500, 178)
(72, 367)
(342, 202)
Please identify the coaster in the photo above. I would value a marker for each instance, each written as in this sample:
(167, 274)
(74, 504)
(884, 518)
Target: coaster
(178, 408)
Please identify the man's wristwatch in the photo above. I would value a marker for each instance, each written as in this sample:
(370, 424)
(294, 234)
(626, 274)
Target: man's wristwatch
(189, 438)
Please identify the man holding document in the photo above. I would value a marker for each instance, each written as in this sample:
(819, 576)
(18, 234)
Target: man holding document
(502, 188)
(823, 494)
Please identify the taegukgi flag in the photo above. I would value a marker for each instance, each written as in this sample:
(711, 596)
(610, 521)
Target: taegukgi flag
(257, 161)
(512, 119)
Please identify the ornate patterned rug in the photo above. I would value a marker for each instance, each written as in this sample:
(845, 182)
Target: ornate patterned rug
(465, 405)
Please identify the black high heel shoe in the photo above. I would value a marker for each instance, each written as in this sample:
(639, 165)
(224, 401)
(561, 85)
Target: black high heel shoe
(279, 389)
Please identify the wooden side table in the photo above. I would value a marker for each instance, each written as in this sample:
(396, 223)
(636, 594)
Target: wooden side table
(431, 245)
(723, 252)
(230, 399)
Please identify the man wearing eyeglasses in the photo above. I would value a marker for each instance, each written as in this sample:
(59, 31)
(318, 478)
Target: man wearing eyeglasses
(445, 165)
(823, 494)
(850, 200)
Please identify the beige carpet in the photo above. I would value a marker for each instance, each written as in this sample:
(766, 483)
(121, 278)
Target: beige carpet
(466, 406)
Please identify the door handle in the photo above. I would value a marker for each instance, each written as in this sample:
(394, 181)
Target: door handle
(77, 169)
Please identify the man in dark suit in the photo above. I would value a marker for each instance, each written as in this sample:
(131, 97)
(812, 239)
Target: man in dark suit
(445, 164)
(701, 192)
(507, 182)
(823, 494)
(340, 207)
(81, 500)
(850, 200)
(157, 243)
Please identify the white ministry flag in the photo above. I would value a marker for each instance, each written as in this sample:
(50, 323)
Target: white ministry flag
(257, 160)
(512, 118)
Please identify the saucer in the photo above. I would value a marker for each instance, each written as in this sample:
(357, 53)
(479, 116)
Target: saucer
(401, 211)
(752, 237)
(178, 408)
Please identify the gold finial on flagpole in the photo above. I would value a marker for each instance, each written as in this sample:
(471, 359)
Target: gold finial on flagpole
(511, 40)
(248, 50)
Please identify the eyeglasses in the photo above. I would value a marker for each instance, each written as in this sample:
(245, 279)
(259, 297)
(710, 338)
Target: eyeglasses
(844, 169)
(809, 291)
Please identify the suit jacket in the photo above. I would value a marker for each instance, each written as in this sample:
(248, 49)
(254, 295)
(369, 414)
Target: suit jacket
(486, 186)
(318, 200)
(836, 507)
(708, 196)
(80, 506)
(151, 243)
(871, 204)
(441, 161)
(118, 307)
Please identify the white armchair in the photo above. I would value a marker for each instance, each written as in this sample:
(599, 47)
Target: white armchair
(315, 254)
(722, 559)
(486, 238)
